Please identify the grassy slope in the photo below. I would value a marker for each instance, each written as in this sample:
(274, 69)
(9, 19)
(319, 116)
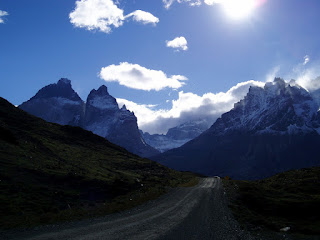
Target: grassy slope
(288, 199)
(50, 173)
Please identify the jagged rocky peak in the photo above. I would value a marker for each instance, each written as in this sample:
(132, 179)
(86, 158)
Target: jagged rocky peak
(278, 107)
(103, 90)
(61, 89)
(124, 108)
(101, 99)
(64, 81)
(57, 103)
(127, 115)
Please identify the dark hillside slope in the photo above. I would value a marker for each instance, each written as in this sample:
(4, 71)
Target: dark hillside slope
(244, 156)
(289, 199)
(50, 172)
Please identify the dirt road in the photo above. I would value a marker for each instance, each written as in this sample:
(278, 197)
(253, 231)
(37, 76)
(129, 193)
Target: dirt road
(199, 212)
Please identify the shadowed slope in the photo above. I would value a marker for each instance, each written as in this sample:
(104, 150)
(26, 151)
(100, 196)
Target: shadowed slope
(50, 172)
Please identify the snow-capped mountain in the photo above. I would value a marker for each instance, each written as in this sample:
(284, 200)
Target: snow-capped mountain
(278, 108)
(177, 136)
(59, 103)
(273, 129)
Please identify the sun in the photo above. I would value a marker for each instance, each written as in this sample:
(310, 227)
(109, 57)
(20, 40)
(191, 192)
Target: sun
(238, 9)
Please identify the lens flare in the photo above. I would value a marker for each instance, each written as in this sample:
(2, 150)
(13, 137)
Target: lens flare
(238, 9)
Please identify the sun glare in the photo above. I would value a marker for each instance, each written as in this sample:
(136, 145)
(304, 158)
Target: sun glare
(238, 9)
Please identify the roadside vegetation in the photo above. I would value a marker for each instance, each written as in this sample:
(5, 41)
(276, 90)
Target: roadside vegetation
(51, 173)
(290, 199)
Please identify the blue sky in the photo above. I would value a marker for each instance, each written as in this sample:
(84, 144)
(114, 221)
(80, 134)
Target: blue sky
(39, 45)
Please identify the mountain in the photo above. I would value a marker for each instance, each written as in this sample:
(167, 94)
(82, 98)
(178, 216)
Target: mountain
(177, 136)
(273, 129)
(59, 103)
(104, 118)
(51, 172)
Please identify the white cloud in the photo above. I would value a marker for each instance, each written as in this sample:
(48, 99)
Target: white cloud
(144, 17)
(180, 43)
(138, 77)
(3, 14)
(272, 74)
(102, 15)
(187, 107)
(306, 59)
(168, 3)
(211, 2)
(309, 79)
(97, 14)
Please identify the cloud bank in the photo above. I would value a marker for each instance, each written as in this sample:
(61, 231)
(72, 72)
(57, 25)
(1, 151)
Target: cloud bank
(187, 107)
(102, 15)
(179, 43)
(138, 77)
(3, 14)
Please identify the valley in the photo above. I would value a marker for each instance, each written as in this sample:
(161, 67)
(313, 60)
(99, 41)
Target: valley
(159, 119)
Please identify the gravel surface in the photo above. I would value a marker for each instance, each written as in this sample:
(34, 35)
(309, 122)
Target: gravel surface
(200, 212)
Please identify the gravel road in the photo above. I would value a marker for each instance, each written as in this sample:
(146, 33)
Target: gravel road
(199, 212)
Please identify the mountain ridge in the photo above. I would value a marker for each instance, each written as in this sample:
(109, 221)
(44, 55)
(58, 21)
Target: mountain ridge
(59, 103)
(177, 136)
(272, 129)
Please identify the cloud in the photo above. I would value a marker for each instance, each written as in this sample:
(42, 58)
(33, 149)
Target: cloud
(272, 74)
(309, 79)
(211, 2)
(96, 14)
(306, 59)
(144, 17)
(306, 77)
(187, 107)
(2, 14)
(180, 43)
(138, 77)
(102, 15)
(168, 3)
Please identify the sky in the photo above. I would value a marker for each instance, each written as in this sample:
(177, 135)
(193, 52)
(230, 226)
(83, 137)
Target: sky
(169, 61)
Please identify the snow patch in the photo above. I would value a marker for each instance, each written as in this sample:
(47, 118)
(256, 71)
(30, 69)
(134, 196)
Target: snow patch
(104, 102)
(64, 101)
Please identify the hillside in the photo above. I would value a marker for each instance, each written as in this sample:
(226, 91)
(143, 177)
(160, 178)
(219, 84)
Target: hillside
(289, 199)
(50, 172)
